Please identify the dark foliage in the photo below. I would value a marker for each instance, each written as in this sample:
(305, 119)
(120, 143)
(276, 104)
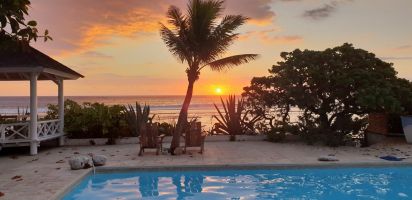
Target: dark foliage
(333, 89)
(13, 26)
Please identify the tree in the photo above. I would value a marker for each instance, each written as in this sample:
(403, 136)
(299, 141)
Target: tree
(13, 28)
(198, 39)
(334, 89)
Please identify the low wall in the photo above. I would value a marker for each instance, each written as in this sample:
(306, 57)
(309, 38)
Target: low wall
(135, 140)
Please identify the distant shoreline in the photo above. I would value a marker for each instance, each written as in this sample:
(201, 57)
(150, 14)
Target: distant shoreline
(206, 95)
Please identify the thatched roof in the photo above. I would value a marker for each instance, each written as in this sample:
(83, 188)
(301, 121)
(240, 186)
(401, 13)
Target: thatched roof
(17, 65)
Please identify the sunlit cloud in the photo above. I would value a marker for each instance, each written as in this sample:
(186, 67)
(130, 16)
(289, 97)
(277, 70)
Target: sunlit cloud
(82, 26)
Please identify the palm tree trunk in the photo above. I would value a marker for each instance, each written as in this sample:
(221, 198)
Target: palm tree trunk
(182, 120)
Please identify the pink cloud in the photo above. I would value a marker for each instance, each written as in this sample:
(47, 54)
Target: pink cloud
(82, 25)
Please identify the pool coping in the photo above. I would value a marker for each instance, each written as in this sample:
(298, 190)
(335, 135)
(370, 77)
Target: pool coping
(63, 191)
(155, 168)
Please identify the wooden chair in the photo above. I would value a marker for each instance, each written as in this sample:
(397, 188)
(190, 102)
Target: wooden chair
(194, 137)
(150, 139)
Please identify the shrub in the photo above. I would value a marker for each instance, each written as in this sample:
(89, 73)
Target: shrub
(92, 120)
(166, 128)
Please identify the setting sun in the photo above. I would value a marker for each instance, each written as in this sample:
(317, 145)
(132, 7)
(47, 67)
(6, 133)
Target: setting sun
(218, 91)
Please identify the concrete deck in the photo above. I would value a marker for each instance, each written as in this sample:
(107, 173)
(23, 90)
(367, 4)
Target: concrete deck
(47, 175)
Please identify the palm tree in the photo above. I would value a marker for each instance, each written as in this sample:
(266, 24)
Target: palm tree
(200, 38)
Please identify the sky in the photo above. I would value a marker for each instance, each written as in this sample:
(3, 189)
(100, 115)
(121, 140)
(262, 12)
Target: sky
(116, 45)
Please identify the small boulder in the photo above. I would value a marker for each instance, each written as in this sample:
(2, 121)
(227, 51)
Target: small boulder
(328, 159)
(178, 151)
(99, 160)
(80, 162)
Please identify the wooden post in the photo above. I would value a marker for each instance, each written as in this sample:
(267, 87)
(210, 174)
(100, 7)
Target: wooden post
(61, 111)
(33, 113)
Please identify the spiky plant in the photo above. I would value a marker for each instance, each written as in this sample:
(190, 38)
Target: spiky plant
(137, 117)
(200, 38)
(234, 120)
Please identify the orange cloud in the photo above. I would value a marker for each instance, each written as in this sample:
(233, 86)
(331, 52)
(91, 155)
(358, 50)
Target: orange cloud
(81, 26)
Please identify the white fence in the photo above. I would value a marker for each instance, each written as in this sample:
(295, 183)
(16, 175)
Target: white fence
(20, 132)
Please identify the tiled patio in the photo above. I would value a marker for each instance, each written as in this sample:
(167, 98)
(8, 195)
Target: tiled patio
(48, 174)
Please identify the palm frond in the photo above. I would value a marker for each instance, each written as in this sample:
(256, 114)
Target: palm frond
(176, 18)
(228, 62)
(174, 42)
(223, 36)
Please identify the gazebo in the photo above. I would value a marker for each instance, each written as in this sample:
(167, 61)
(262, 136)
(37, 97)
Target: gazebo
(32, 65)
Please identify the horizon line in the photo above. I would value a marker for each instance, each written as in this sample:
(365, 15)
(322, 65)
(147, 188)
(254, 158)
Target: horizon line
(175, 95)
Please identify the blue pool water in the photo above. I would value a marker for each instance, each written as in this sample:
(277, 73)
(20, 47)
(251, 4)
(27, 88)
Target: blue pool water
(341, 183)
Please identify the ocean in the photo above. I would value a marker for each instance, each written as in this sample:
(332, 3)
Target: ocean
(166, 108)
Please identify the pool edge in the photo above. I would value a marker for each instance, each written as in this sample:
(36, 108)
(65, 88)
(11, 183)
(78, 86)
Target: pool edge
(107, 169)
(62, 192)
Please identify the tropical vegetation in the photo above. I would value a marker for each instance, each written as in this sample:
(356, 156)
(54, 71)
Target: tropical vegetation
(200, 37)
(92, 120)
(234, 119)
(332, 90)
(97, 120)
(137, 117)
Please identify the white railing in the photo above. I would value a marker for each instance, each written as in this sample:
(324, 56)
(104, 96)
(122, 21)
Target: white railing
(20, 131)
(48, 129)
(14, 132)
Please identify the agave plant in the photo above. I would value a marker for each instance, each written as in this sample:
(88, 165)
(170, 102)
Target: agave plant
(137, 117)
(234, 120)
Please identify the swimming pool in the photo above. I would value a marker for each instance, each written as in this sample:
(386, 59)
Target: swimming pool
(333, 183)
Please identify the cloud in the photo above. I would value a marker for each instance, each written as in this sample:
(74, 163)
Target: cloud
(319, 13)
(286, 39)
(267, 37)
(324, 11)
(95, 54)
(397, 58)
(78, 26)
(259, 11)
(403, 47)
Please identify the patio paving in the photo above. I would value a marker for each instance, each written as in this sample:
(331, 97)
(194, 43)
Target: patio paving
(47, 175)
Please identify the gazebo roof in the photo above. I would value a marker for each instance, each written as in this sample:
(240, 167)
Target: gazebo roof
(17, 65)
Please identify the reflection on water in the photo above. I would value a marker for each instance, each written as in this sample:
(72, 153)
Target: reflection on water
(148, 186)
(369, 183)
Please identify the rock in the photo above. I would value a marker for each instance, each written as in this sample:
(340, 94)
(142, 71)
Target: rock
(178, 151)
(328, 159)
(80, 162)
(99, 160)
